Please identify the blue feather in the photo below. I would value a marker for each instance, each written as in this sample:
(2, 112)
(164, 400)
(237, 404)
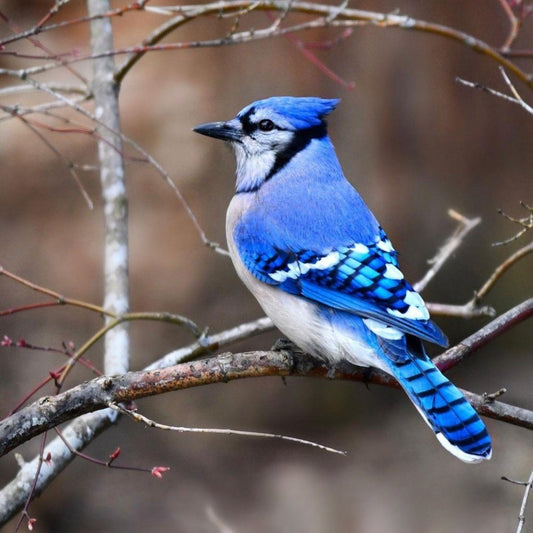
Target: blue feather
(442, 405)
(356, 283)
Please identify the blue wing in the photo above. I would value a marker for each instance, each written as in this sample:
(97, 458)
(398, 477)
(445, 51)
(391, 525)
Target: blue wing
(360, 278)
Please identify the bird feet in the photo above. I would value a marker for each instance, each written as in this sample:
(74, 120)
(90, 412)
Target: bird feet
(285, 345)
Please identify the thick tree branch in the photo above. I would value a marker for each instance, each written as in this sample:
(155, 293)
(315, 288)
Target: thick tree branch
(90, 396)
(105, 89)
(83, 430)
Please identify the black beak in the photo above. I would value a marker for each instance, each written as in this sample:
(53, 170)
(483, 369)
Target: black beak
(220, 130)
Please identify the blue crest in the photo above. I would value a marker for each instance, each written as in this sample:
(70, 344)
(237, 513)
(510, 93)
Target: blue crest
(299, 112)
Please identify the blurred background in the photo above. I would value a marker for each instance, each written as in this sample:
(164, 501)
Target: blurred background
(414, 143)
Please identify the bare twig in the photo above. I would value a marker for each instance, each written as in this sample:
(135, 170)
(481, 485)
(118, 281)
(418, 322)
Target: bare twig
(522, 514)
(515, 23)
(526, 223)
(470, 309)
(345, 17)
(79, 434)
(473, 308)
(59, 299)
(496, 275)
(328, 15)
(528, 485)
(491, 396)
(515, 99)
(218, 431)
(66, 161)
(466, 225)
(210, 343)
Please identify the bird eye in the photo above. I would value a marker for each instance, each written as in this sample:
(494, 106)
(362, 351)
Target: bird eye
(266, 125)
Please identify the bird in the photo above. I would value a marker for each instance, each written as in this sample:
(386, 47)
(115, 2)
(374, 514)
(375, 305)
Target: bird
(306, 245)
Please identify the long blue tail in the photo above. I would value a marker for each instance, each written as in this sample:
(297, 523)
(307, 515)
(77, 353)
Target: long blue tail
(454, 421)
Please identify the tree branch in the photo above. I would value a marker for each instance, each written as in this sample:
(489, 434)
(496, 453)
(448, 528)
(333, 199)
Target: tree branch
(466, 225)
(50, 411)
(116, 289)
(83, 430)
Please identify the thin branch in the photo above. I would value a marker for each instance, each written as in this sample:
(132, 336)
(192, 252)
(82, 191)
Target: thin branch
(116, 322)
(526, 223)
(514, 22)
(109, 463)
(79, 433)
(473, 308)
(522, 514)
(83, 430)
(58, 298)
(515, 99)
(66, 161)
(467, 310)
(497, 274)
(106, 136)
(466, 225)
(208, 344)
(68, 89)
(347, 17)
(41, 28)
(35, 42)
(219, 431)
(528, 486)
(328, 16)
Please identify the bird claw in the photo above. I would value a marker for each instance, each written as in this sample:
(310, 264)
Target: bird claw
(285, 345)
(331, 371)
(367, 375)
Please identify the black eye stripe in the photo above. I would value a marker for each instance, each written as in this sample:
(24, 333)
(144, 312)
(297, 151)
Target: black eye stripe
(249, 127)
(266, 125)
(299, 141)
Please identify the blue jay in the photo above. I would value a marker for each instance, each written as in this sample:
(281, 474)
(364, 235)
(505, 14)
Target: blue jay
(308, 248)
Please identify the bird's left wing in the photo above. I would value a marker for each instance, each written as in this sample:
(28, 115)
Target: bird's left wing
(363, 279)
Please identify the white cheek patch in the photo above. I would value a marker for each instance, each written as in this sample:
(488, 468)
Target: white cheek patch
(253, 165)
(256, 156)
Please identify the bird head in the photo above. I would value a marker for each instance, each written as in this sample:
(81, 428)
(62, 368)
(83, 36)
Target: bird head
(266, 134)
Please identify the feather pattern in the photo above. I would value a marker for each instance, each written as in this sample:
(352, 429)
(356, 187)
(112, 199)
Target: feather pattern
(358, 278)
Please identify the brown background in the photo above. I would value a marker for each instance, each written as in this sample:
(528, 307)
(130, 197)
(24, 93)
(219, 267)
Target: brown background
(415, 144)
